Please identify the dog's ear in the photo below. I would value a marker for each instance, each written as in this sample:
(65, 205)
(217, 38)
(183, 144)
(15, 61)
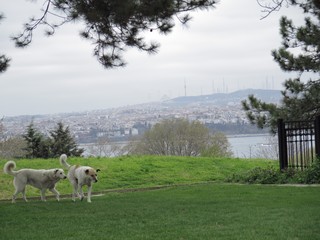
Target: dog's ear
(55, 171)
(98, 170)
(87, 171)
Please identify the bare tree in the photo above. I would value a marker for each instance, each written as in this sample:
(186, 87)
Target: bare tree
(219, 146)
(12, 148)
(106, 148)
(269, 150)
(1, 130)
(270, 6)
(177, 137)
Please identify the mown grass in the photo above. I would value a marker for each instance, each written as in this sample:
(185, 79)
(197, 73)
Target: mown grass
(205, 211)
(211, 210)
(136, 172)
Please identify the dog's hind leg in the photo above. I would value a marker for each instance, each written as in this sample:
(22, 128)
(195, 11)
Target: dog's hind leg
(14, 196)
(17, 191)
(81, 196)
(24, 195)
(55, 192)
(75, 190)
(19, 186)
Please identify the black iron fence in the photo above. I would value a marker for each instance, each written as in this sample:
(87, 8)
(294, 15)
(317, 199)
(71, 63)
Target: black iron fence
(299, 143)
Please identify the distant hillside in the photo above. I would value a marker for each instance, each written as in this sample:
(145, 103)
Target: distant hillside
(221, 99)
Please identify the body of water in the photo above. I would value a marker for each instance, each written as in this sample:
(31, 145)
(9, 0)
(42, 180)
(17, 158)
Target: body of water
(242, 146)
(254, 146)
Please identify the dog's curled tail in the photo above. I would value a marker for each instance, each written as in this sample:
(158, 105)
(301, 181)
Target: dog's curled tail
(8, 168)
(63, 161)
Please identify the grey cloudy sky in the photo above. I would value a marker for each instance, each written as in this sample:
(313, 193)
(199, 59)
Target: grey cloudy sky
(222, 50)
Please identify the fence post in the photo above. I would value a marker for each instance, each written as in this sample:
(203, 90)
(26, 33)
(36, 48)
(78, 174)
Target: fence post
(283, 155)
(317, 135)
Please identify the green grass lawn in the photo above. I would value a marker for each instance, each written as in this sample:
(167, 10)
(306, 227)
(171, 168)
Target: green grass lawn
(137, 172)
(202, 211)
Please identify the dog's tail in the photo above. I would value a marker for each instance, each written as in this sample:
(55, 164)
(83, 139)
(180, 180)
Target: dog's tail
(63, 161)
(8, 168)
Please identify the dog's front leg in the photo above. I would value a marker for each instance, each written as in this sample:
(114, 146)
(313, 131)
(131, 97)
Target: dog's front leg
(55, 192)
(43, 197)
(89, 194)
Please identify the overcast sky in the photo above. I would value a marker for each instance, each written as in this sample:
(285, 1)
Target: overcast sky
(222, 50)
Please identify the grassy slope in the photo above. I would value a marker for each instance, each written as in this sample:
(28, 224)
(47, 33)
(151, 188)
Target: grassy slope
(133, 172)
(208, 211)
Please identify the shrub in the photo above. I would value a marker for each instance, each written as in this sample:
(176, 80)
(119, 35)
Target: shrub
(270, 175)
(258, 175)
(312, 174)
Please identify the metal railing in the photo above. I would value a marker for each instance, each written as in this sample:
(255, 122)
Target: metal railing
(299, 143)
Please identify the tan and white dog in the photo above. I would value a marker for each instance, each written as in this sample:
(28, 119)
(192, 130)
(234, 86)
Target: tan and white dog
(41, 179)
(80, 176)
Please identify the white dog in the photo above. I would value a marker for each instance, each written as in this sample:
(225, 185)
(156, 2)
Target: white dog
(41, 179)
(80, 176)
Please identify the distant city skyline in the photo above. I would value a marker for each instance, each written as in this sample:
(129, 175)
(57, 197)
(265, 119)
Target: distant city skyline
(215, 110)
(223, 50)
(223, 87)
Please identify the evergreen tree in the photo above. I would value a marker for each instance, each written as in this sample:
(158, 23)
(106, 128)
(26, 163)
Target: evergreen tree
(114, 25)
(34, 142)
(300, 52)
(63, 142)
